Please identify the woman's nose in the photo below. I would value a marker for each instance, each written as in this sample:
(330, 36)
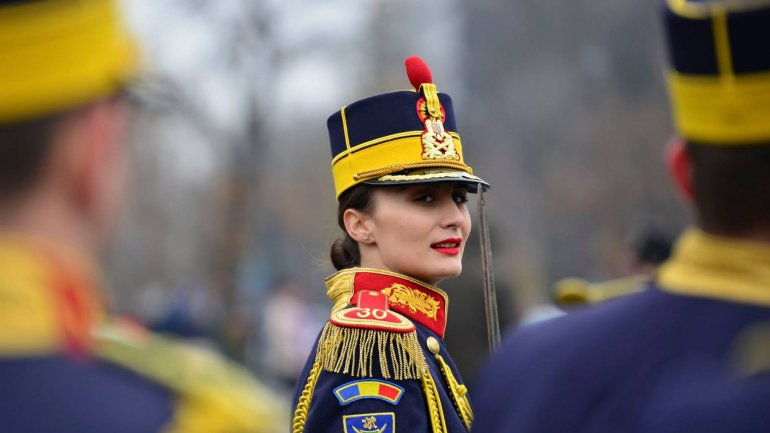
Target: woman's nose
(452, 215)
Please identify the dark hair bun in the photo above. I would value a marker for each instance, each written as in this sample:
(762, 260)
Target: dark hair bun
(344, 253)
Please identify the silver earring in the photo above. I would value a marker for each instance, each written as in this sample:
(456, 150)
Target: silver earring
(366, 238)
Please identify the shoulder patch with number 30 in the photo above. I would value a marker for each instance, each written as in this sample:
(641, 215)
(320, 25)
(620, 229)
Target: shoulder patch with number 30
(372, 313)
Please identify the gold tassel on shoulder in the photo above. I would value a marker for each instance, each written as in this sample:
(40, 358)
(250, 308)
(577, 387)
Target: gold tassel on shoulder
(355, 338)
(354, 351)
(352, 340)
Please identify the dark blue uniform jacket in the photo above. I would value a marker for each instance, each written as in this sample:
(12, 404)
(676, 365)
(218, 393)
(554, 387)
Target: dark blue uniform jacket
(426, 395)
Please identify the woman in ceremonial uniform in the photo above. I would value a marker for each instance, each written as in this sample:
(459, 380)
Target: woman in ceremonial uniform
(401, 182)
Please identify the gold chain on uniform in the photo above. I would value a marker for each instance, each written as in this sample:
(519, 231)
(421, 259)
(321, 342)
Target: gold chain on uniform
(433, 399)
(303, 403)
(459, 393)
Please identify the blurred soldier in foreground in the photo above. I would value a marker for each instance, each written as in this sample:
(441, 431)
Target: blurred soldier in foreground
(65, 366)
(603, 369)
(718, 395)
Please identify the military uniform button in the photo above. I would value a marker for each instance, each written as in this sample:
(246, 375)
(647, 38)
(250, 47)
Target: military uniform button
(433, 345)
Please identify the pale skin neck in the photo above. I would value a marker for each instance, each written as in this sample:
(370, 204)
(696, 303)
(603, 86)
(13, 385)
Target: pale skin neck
(370, 258)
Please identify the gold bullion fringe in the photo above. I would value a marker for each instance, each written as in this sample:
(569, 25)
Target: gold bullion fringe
(339, 290)
(432, 398)
(303, 403)
(352, 351)
(459, 393)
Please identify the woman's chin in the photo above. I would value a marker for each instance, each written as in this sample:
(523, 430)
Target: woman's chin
(445, 274)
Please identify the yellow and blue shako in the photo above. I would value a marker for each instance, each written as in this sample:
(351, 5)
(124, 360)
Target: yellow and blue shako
(56, 55)
(399, 137)
(719, 70)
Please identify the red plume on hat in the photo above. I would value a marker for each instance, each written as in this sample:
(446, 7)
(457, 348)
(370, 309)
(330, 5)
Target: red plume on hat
(417, 71)
(419, 75)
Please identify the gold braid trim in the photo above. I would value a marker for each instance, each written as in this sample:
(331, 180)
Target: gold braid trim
(432, 398)
(394, 168)
(352, 351)
(303, 403)
(459, 393)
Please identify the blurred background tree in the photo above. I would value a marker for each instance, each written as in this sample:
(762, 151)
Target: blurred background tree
(225, 237)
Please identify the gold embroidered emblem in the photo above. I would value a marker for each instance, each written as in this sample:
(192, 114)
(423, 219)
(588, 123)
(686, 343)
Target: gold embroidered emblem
(436, 142)
(370, 422)
(370, 426)
(413, 299)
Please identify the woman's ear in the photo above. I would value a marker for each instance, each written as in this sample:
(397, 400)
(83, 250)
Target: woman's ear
(357, 225)
(680, 167)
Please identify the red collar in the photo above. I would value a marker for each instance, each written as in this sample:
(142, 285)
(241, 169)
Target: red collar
(420, 302)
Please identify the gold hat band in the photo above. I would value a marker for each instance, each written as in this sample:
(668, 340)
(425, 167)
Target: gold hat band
(388, 155)
(724, 110)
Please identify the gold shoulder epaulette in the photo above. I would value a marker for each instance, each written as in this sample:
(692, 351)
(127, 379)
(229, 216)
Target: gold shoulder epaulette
(213, 394)
(358, 338)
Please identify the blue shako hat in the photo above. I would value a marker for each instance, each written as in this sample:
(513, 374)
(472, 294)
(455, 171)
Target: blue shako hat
(719, 70)
(399, 138)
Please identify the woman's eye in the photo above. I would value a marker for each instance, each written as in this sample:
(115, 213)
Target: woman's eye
(425, 198)
(461, 198)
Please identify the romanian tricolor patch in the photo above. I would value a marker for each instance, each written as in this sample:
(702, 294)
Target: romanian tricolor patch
(368, 388)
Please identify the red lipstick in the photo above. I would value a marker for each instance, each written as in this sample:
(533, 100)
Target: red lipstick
(450, 247)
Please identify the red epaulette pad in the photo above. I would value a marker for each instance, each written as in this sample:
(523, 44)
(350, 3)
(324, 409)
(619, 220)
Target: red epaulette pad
(372, 312)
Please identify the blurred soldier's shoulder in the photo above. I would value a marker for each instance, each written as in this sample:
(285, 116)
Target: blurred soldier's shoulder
(574, 292)
(212, 393)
